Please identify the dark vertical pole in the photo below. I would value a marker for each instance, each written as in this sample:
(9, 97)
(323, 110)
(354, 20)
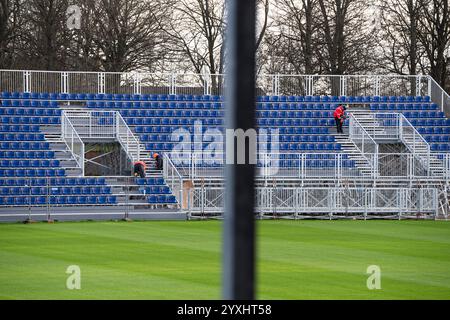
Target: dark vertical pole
(239, 226)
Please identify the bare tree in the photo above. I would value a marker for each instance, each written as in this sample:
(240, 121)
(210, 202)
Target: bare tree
(347, 37)
(9, 30)
(401, 50)
(45, 39)
(434, 34)
(127, 33)
(293, 42)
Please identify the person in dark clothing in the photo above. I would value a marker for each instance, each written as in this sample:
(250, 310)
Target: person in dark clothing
(339, 118)
(139, 169)
(159, 161)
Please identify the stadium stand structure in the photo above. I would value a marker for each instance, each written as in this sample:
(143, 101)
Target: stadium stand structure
(392, 160)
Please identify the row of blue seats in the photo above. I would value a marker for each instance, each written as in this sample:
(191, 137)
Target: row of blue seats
(17, 128)
(30, 103)
(30, 120)
(54, 190)
(153, 105)
(259, 114)
(286, 164)
(271, 123)
(155, 190)
(287, 130)
(162, 199)
(433, 130)
(281, 146)
(418, 122)
(424, 114)
(171, 124)
(29, 163)
(108, 96)
(172, 121)
(54, 182)
(333, 106)
(172, 113)
(350, 99)
(31, 112)
(58, 200)
(313, 156)
(27, 154)
(429, 122)
(14, 145)
(404, 107)
(149, 181)
(259, 106)
(440, 147)
(283, 138)
(214, 114)
(32, 172)
(317, 163)
(22, 137)
(190, 97)
(437, 139)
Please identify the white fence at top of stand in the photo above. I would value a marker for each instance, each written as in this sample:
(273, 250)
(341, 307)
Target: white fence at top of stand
(191, 83)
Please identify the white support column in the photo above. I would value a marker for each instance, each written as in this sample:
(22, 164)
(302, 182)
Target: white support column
(137, 83)
(64, 82)
(343, 85)
(101, 82)
(27, 81)
(377, 86)
(172, 83)
(310, 91)
(418, 84)
(429, 85)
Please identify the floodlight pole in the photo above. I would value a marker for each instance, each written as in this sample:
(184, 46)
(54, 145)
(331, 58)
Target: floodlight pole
(239, 219)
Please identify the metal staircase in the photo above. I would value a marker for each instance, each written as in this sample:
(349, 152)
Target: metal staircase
(395, 128)
(62, 151)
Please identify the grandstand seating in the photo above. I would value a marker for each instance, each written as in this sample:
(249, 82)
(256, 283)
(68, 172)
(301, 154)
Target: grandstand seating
(305, 125)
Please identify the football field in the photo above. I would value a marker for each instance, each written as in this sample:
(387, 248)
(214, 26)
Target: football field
(182, 259)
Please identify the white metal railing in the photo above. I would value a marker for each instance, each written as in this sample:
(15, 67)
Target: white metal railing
(319, 166)
(129, 142)
(173, 178)
(363, 142)
(105, 125)
(381, 125)
(326, 201)
(93, 124)
(414, 141)
(438, 95)
(191, 83)
(73, 141)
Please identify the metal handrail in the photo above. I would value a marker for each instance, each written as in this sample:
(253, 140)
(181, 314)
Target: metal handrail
(371, 157)
(74, 138)
(171, 178)
(128, 140)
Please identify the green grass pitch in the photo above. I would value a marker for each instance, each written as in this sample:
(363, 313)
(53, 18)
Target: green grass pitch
(182, 260)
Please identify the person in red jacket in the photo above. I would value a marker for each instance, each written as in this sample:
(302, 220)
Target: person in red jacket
(339, 117)
(159, 161)
(139, 168)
